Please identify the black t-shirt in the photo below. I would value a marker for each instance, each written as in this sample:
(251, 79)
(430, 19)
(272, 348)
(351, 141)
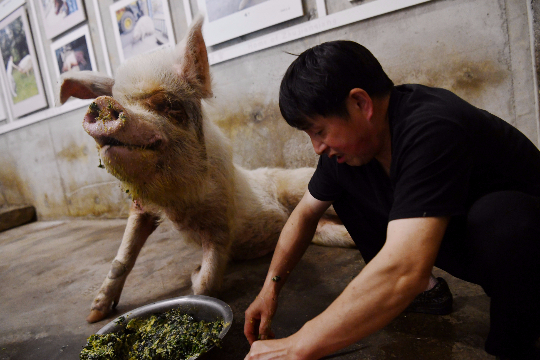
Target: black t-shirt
(446, 154)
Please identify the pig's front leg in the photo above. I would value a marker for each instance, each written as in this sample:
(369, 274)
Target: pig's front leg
(207, 280)
(139, 226)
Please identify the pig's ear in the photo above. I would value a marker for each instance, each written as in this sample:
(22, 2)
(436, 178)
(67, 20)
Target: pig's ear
(192, 59)
(84, 85)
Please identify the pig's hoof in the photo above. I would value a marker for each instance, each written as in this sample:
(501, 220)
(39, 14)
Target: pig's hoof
(95, 315)
(195, 273)
(200, 290)
(201, 287)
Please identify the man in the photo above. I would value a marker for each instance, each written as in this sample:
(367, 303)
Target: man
(420, 178)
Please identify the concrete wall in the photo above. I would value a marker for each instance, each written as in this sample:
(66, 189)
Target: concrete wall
(480, 49)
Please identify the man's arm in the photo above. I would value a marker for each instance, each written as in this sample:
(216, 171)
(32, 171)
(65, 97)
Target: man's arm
(292, 244)
(382, 290)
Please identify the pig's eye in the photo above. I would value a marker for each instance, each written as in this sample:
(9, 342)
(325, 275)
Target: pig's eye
(158, 102)
(168, 106)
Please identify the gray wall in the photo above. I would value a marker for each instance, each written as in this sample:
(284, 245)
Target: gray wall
(480, 49)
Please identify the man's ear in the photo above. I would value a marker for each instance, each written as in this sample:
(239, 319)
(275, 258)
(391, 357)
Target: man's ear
(361, 101)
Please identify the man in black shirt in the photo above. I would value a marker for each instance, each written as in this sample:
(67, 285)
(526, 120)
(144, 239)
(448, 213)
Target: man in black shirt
(420, 178)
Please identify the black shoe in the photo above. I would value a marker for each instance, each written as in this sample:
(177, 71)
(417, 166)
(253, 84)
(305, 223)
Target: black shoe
(437, 301)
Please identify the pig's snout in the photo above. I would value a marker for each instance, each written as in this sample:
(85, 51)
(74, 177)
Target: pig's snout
(105, 116)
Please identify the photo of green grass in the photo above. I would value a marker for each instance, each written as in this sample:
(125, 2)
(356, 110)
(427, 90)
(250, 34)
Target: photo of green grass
(14, 46)
(25, 92)
(26, 86)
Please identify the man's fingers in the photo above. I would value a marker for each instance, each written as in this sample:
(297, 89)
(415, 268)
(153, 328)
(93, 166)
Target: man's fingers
(251, 327)
(257, 329)
(268, 336)
(264, 328)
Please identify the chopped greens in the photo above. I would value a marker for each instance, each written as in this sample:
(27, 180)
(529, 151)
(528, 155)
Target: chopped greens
(172, 335)
(93, 107)
(120, 320)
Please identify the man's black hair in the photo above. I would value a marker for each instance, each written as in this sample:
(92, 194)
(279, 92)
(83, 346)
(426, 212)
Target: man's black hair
(320, 79)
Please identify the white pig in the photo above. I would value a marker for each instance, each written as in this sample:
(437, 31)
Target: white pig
(152, 135)
(25, 65)
(11, 80)
(143, 28)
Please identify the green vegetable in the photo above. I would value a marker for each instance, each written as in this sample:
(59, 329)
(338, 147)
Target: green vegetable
(93, 107)
(168, 336)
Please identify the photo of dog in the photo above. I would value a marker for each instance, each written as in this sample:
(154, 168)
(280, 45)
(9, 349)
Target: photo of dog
(152, 135)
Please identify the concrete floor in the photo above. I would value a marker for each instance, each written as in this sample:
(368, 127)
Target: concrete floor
(50, 271)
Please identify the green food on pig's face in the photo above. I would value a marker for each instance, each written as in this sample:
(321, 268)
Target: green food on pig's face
(172, 335)
(93, 107)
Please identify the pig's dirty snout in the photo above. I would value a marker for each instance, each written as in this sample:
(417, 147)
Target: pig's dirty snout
(105, 117)
(104, 109)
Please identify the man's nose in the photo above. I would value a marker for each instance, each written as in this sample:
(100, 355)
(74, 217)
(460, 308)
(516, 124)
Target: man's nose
(319, 146)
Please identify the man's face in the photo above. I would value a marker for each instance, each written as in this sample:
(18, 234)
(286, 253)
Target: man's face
(352, 140)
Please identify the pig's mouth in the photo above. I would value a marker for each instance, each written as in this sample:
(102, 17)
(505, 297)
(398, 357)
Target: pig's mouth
(107, 141)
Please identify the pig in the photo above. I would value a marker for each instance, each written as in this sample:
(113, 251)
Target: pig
(144, 27)
(151, 134)
(25, 65)
(11, 80)
(73, 60)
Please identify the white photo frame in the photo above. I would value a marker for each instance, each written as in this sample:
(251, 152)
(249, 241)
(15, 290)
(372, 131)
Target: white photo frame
(74, 52)
(323, 23)
(3, 115)
(228, 19)
(20, 68)
(141, 27)
(60, 15)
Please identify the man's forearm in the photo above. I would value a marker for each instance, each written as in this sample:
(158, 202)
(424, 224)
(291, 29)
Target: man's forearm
(293, 242)
(375, 297)
(382, 290)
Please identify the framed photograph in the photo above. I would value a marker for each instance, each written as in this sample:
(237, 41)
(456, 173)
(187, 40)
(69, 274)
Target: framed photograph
(74, 52)
(60, 15)
(228, 19)
(20, 66)
(141, 26)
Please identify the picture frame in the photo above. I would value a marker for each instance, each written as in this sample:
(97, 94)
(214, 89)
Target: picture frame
(74, 52)
(60, 15)
(141, 26)
(3, 115)
(20, 68)
(229, 19)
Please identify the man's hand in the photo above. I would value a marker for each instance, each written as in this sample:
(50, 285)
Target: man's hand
(293, 242)
(281, 349)
(381, 291)
(259, 317)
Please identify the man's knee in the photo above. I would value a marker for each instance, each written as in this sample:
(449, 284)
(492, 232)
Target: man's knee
(506, 214)
(504, 233)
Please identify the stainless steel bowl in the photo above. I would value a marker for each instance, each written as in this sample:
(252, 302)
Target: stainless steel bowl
(198, 306)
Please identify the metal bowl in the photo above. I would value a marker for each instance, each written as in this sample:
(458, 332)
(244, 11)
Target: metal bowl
(198, 306)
